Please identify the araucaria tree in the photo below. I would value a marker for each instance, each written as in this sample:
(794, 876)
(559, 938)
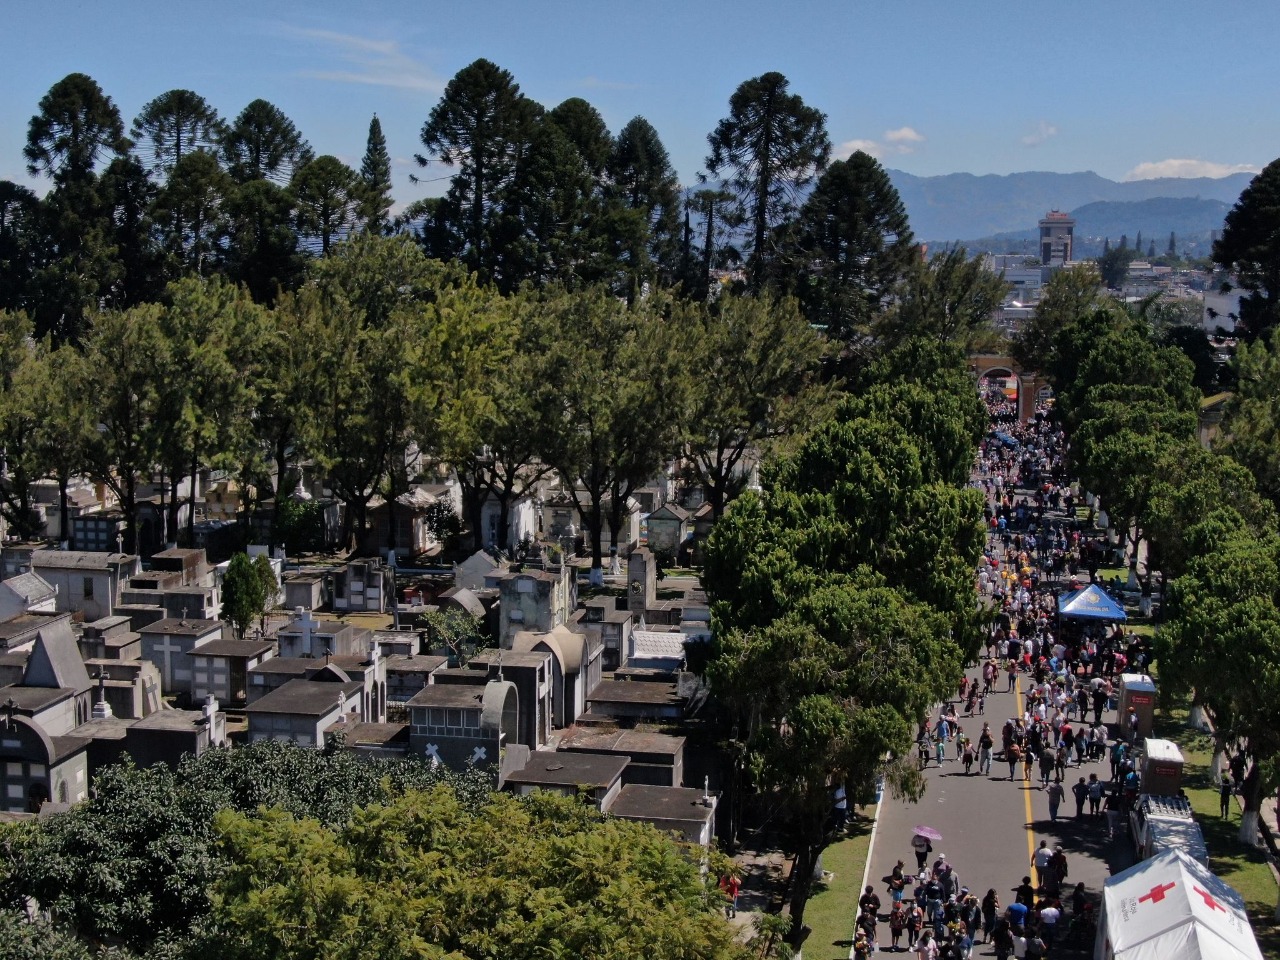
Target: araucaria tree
(766, 151)
(854, 245)
(479, 126)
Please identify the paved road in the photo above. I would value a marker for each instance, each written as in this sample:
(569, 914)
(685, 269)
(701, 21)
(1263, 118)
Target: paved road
(990, 826)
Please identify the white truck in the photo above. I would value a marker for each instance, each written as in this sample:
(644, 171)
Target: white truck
(1160, 823)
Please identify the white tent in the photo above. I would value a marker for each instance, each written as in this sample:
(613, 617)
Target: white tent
(1172, 908)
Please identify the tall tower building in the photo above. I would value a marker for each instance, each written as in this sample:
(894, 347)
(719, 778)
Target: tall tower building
(1056, 230)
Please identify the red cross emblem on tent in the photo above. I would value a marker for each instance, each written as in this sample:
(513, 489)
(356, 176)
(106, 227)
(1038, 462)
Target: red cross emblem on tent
(1156, 893)
(1209, 902)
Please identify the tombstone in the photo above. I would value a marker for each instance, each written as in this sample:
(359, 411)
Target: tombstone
(641, 581)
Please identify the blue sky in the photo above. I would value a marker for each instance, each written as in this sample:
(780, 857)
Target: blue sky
(1124, 89)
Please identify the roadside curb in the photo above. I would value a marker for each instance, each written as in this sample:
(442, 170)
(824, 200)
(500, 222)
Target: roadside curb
(871, 849)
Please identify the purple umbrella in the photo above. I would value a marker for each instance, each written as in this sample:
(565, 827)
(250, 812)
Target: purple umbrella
(927, 832)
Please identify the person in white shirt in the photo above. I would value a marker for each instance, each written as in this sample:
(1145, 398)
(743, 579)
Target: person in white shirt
(1041, 862)
(1049, 918)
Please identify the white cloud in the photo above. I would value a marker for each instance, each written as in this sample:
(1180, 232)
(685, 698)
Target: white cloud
(901, 140)
(903, 136)
(847, 149)
(1187, 168)
(1044, 131)
(379, 63)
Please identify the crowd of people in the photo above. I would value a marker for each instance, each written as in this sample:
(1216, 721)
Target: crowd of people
(1057, 741)
(931, 913)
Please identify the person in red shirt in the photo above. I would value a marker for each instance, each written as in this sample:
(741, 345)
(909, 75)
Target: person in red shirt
(731, 884)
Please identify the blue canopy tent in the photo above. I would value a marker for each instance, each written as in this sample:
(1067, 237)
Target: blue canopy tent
(1091, 603)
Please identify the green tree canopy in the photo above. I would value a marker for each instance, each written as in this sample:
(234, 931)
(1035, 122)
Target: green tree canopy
(756, 388)
(1251, 426)
(950, 298)
(427, 876)
(842, 594)
(135, 863)
(1222, 639)
(243, 596)
(480, 125)
(1248, 249)
(328, 196)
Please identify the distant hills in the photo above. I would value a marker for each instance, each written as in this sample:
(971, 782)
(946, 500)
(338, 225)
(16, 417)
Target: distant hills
(965, 207)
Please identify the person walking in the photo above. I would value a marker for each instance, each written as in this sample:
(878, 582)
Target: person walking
(915, 924)
(922, 848)
(1055, 794)
(1046, 767)
(1013, 753)
(897, 924)
(1002, 938)
(1095, 795)
(990, 912)
(1224, 797)
(897, 883)
(1040, 861)
(1080, 790)
(985, 744)
(869, 902)
(731, 883)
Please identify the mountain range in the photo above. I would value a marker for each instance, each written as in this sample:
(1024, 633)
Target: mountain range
(965, 206)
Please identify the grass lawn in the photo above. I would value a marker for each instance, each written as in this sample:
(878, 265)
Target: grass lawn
(832, 910)
(1244, 869)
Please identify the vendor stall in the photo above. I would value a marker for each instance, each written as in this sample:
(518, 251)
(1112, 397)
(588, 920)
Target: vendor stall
(1090, 603)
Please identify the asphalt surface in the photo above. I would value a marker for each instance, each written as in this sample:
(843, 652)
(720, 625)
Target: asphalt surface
(990, 827)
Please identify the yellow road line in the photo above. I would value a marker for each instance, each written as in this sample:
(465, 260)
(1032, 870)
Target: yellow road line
(1026, 794)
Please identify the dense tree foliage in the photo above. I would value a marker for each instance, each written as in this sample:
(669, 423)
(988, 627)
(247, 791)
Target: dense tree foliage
(854, 246)
(1248, 249)
(1251, 427)
(175, 124)
(615, 419)
(756, 360)
(135, 863)
(842, 596)
(427, 875)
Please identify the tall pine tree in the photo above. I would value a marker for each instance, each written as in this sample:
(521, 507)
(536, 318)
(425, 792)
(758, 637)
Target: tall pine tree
(766, 152)
(375, 174)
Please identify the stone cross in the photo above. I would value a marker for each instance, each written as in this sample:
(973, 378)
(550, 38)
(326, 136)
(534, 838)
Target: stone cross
(168, 648)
